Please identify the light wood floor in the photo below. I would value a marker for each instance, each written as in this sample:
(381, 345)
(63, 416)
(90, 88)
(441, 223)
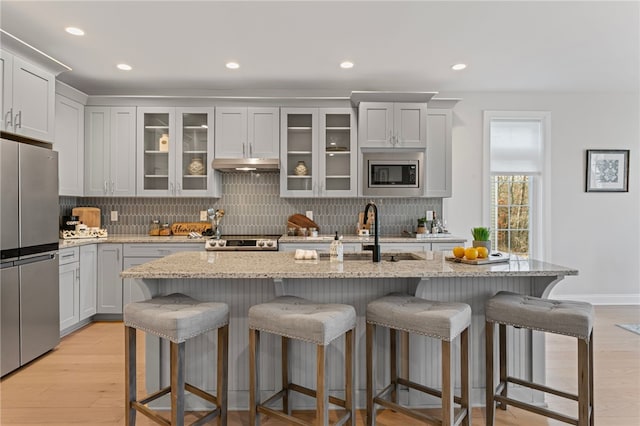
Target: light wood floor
(82, 381)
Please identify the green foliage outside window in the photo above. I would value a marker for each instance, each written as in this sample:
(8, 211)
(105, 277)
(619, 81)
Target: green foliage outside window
(510, 213)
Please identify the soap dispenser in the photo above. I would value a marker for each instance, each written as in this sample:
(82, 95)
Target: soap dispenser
(336, 251)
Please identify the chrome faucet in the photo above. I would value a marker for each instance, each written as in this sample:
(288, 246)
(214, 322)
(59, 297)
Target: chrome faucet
(376, 229)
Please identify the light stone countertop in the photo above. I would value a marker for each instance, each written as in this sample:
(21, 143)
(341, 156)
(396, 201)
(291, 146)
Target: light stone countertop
(438, 238)
(274, 265)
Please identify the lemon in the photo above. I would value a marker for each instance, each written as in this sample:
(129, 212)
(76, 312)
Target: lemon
(458, 252)
(482, 252)
(471, 253)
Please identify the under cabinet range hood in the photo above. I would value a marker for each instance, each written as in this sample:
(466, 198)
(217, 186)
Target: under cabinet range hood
(246, 164)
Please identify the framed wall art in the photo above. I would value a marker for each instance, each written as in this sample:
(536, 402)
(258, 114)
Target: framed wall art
(607, 170)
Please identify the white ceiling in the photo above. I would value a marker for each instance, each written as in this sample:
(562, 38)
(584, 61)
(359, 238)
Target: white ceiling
(180, 47)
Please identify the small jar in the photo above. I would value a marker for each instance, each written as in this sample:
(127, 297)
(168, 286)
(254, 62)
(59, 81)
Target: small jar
(291, 232)
(302, 232)
(313, 232)
(154, 228)
(165, 230)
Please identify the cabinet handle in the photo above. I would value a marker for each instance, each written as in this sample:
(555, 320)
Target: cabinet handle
(243, 150)
(77, 275)
(391, 137)
(178, 188)
(118, 254)
(106, 189)
(8, 118)
(250, 150)
(113, 185)
(18, 120)
(66, 256)
(171, 189)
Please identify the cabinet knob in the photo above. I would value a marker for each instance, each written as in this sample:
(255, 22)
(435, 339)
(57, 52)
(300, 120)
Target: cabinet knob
(18, 120)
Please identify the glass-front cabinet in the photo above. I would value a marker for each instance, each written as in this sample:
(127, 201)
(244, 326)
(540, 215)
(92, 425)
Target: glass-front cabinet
(175, 146)
(318, 152)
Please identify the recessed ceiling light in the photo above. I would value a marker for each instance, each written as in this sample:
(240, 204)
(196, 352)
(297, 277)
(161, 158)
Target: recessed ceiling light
(346, 65)
(232, 65)
(458, 67)
(75, 31)
(124, 67)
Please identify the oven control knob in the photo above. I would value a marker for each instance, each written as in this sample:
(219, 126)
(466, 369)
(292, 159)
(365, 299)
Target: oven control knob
(269, 243)
(260, 243)
(222, 243)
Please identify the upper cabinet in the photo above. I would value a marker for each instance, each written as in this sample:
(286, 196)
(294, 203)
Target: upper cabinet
(247, 132)
(175, 147)
(318, 152)
(439, 157)
(392, 125)
(110, 151)
(69, 142)
(28, 98)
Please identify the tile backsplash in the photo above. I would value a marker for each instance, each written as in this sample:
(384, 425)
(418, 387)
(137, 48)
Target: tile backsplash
(252, 204)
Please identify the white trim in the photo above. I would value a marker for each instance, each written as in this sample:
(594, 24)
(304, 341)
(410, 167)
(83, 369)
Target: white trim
(601, 299)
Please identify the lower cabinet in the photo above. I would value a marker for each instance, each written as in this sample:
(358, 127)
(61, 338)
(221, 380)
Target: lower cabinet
(78, 280)
(109, 282)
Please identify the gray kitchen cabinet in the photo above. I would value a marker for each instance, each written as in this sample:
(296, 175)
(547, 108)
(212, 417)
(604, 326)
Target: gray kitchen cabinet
(445, 246)
(110, 155)
(109, 283)
(404, 247)
(174, 149)
(69, 271)
(88, 280)
(318, 153)
(69, 142)
(439, 161)
(247, 132)
(392, 125)
(28, 98)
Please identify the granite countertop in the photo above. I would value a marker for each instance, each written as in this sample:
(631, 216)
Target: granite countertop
(437, 238)
(282, 265)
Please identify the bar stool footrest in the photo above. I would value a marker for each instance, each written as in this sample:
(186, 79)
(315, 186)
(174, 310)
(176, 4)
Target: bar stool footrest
(536, 409)
(542, 388)
(425, 389)
(459, 416)
(141, 405)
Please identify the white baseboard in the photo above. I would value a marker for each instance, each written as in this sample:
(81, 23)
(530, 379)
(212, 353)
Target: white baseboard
(601, 299)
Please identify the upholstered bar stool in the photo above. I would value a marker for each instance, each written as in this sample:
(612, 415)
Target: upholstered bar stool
(439, 320)
(550, 316)
(292, 317)
(177, 318)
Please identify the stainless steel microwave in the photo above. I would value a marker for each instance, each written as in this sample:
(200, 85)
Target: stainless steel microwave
(393, 174)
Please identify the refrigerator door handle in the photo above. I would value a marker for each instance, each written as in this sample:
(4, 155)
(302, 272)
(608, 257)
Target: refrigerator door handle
(36, 258)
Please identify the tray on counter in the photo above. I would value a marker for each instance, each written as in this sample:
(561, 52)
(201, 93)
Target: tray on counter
(490, 259)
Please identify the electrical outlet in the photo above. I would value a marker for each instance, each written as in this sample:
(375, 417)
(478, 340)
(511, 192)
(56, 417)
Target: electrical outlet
(309, 214)
(114, 215)
(429, 214)
(203, 215)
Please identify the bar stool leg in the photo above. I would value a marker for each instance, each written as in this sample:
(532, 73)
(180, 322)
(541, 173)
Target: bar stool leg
(130, 374)
(371, 361)
(464, 374)
(350, 367)
(393, 365)
(591, 406)
(285, 375)
(447, 385)
(503, 363)
(254, 383)
(322, 395)
(583, 383)
(177, 383)
(489, 384)
(222, 374)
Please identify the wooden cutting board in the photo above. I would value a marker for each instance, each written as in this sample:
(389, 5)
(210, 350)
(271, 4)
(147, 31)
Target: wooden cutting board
(89, 216)
(184, 228)
(301, 221)
(496, 259)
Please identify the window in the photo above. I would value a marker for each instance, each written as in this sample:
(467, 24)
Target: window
(515, 164)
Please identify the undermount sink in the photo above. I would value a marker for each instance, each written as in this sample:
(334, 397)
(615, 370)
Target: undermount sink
(366, 256)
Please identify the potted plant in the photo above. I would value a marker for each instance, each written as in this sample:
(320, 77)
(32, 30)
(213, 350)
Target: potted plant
(422, 225)
(481, 237)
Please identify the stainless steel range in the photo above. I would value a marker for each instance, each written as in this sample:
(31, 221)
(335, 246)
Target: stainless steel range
(243, 243)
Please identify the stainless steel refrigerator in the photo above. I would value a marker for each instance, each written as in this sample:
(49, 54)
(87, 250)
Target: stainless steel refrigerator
(29, 210)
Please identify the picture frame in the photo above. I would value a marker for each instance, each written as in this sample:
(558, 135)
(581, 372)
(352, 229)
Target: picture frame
(607, 170)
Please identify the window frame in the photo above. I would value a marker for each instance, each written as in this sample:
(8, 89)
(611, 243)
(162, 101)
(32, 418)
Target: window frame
(540, 187)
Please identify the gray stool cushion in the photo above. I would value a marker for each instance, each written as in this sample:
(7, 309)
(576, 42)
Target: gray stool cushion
(302, 319)
(176, 317)
(554, 316)
(442, 320)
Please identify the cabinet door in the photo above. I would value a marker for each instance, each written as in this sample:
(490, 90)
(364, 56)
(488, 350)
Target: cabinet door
(263, 132)
(88, 280)
(375, 124)
(133, 289)
(33, 101)
(298, 153)
(97, 150)
(69, 142)
(69, 293)
(6, 90)
(438, 160)
(123, 152)
(231, 132)
(109, 281)
(156, 151)
(195, 145)
(410, 125)
(337, 147)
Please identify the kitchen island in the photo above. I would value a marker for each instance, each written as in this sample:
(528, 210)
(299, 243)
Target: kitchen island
(242, 279)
